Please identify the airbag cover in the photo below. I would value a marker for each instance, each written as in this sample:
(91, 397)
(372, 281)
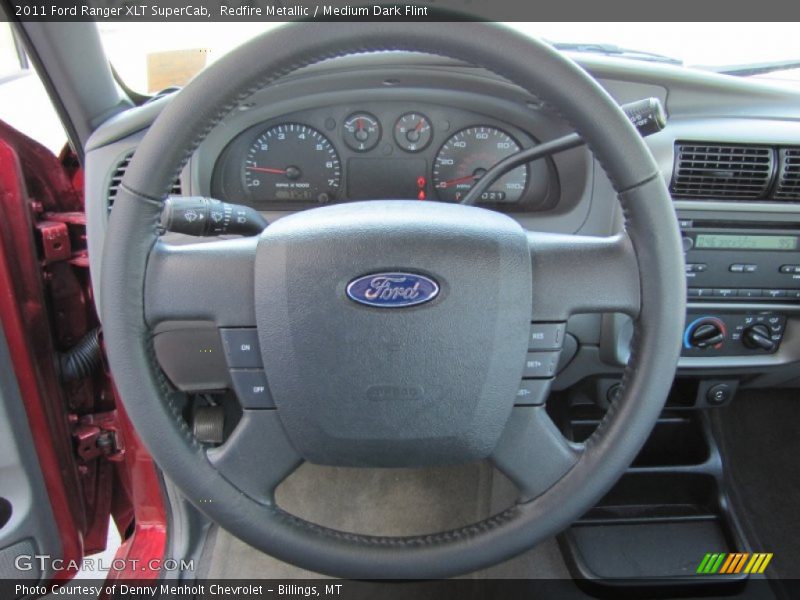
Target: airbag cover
(399, 384)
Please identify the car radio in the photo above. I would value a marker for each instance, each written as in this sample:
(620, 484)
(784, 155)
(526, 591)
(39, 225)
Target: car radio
(740, 262)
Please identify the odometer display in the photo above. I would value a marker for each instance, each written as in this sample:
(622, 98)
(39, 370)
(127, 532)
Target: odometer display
(465, 158)
(292, 162)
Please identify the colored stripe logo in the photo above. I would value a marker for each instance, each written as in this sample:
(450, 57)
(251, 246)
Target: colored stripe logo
(733, 563)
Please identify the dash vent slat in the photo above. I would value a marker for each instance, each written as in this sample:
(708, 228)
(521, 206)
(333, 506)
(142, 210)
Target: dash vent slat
(722, 171)
(119, 173)
(788, 185)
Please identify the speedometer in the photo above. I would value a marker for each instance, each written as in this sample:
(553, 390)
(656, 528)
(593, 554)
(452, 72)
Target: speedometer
(465, 158)
(292, 162)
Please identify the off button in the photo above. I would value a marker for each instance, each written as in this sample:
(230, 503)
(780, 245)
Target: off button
(251, 388)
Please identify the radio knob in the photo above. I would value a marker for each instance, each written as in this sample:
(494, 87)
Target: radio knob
(706, 334)
(757, 337)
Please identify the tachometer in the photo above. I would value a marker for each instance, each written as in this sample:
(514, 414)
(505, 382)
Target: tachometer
(465, 158)
(292, 162)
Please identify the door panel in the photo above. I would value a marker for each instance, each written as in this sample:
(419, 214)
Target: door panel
(27, 524)
(30, 365)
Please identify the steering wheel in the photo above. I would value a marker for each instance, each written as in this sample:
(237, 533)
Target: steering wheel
(360, 384)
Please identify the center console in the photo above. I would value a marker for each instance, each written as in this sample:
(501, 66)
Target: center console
(741, 264)
(742, 329)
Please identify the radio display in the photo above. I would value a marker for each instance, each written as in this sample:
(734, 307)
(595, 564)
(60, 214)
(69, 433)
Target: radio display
(714, 241)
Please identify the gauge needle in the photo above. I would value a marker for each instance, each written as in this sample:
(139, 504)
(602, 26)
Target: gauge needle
(268, 170)
(452, 182)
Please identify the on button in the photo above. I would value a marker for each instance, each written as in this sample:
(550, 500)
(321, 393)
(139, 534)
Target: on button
(241, 347)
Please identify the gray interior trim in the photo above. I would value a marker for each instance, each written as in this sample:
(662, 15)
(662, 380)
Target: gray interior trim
(84, 90)
(32, 525)
(719, 209)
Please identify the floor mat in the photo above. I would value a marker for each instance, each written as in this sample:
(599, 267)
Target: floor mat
(387, 502)
(760, 443)
(403, 502)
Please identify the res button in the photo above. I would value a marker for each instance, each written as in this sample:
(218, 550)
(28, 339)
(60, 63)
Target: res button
(546, 336)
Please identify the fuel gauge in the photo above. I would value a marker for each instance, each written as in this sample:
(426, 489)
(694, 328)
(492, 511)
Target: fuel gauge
(413, 132)
(362, 131)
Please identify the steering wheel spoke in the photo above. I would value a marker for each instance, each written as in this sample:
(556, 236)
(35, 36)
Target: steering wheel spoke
(257, 456)
(533, 453)
(580, 274)
(211, 281)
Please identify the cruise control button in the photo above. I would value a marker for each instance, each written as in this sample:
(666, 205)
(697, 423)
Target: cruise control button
(532, 392)
(541, 364)
(546, 336)
(241, 347)
(251, 388)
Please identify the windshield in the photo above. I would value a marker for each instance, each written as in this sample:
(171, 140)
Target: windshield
(150, 57)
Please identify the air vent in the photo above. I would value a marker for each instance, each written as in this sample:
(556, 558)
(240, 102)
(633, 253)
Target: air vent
(119, 173)
(722, 172)
(788, 186)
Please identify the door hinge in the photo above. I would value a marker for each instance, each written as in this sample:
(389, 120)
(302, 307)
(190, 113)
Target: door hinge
(54, 237)
(97, 435)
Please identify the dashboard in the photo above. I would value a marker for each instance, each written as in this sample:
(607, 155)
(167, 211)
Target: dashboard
(408, 126)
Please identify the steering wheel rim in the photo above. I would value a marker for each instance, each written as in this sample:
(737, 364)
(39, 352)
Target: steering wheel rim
(133, 257)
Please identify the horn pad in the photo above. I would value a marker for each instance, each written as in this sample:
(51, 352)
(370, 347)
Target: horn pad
(423, 372)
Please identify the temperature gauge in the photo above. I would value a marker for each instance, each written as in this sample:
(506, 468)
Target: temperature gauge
(362, 131)
(413, 132)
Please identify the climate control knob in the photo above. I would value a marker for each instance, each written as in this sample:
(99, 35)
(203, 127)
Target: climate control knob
(706, 334)
(758, 337)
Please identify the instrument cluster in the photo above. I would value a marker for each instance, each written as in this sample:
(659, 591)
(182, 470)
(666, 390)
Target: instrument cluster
(379, 151)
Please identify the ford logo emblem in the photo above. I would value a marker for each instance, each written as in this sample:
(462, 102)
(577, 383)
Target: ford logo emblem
(392, 290)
